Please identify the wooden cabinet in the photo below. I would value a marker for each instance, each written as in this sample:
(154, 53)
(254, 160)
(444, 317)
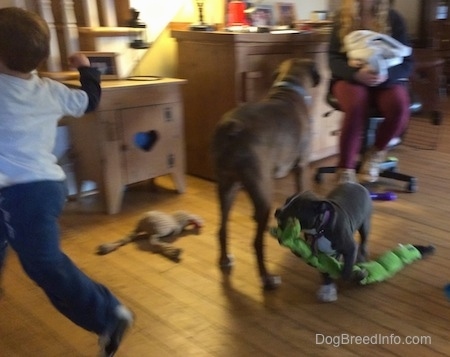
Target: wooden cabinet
(434, 35)
(441, 44)
(104, 142)
(226, 69)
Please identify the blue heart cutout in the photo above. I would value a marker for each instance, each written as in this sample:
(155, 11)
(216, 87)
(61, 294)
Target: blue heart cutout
(146, 140)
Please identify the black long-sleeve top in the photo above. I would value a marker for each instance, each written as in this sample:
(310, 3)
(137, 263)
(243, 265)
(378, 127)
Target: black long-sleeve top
(90, 83)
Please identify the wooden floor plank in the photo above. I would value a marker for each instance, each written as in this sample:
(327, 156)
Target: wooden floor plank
(190, 309)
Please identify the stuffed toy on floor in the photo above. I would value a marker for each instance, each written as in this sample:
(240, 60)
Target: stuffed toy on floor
(386, 266)
(156, 225)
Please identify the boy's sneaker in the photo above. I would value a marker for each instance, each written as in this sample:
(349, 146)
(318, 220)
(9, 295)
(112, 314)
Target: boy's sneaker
(109, 343)
(370, 168)
(346, 176)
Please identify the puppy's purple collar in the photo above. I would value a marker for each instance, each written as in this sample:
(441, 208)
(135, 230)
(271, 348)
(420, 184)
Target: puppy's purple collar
(295, 87)
(313, 238)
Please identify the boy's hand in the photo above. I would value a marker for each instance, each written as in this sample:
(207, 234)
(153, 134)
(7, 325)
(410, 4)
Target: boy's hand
(78, 60)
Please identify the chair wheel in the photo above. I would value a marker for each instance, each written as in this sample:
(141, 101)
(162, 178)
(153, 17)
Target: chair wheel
(436, 117)
(391, 169)
(411, 186)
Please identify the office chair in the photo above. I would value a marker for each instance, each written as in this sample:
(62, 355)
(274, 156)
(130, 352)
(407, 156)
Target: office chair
(388, 169)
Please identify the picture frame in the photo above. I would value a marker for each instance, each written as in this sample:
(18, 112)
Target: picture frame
(105, 62)
(262, 16)
(286, 13)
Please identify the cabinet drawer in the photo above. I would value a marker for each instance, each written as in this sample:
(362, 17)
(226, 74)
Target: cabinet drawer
(143, 163)
(258, 77)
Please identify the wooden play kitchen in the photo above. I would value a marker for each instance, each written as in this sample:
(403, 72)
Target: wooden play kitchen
(107, 145)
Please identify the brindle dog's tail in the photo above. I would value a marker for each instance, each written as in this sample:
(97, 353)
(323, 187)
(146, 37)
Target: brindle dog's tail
(227, 135)
(229, 129)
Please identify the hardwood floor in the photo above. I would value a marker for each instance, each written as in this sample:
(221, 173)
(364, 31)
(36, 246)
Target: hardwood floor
(188, 309)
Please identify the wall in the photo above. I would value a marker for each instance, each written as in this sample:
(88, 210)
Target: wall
(8, 3)
(410, 10)
(214, 9)
(157, 14)
(161, 58)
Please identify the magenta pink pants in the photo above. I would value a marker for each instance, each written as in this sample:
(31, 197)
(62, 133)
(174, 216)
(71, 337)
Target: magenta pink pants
(355, 101)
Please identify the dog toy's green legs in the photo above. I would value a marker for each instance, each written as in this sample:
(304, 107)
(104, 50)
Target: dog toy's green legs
(386, 266)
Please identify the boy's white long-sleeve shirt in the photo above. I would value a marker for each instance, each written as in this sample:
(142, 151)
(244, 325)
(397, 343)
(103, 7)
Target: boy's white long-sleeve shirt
(29, 113)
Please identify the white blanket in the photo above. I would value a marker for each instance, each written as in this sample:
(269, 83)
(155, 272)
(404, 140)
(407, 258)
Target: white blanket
(376, 50)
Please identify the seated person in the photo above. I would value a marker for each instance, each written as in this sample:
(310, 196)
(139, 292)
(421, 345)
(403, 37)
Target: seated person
(357, 87)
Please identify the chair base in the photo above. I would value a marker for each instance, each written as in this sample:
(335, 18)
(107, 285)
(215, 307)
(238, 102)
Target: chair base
(388, 169)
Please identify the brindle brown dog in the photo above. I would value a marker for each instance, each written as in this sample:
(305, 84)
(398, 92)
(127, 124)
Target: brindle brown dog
(257, 142)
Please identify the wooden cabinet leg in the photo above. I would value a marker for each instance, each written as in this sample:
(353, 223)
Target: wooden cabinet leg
(113, 195)
(179, 179)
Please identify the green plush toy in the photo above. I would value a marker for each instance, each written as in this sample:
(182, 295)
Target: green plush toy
(373, 271)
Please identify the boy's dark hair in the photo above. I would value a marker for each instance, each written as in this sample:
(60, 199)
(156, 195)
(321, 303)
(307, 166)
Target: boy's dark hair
(24, 39)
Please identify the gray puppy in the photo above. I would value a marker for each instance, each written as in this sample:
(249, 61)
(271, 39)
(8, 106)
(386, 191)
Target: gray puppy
(330, 224)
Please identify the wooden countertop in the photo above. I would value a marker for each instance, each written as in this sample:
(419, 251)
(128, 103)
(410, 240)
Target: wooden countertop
(130, 82)
(128, 93)
(232, 37)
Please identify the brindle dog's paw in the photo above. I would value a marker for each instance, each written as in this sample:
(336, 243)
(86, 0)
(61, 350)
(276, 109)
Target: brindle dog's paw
(226, 264)
(271, 282)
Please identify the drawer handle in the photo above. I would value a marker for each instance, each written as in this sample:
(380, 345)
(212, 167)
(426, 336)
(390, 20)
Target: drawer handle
(168, 114)
(170, 161)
